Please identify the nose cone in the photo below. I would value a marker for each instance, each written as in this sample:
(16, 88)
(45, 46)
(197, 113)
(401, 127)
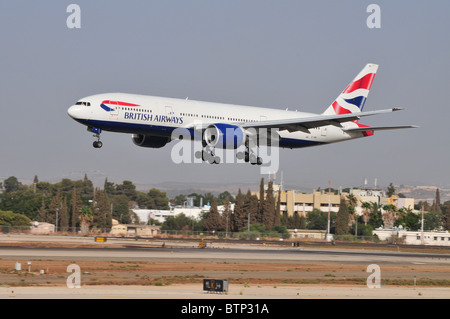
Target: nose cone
(74, 111)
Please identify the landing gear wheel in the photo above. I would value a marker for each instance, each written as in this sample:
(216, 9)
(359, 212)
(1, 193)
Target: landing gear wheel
(97, 144)
(208, 155)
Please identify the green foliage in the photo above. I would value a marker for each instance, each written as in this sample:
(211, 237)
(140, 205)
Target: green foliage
(408, 220)
(293, 222)
(8, 218)
(433, 220)
(11, 184)
(319, 220)
(342, 219)
(212, 220)
(390, 190)
(181, 222)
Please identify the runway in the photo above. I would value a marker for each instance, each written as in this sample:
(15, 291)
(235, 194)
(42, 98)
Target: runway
(220, 254)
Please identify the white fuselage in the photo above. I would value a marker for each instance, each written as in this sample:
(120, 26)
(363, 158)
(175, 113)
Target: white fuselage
(159, 116)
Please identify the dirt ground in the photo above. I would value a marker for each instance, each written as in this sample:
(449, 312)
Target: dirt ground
(161, 273)
(243, 274)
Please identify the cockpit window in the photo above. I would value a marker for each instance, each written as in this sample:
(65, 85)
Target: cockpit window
(83, 103)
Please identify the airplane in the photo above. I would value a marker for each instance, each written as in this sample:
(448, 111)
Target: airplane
(152, 120)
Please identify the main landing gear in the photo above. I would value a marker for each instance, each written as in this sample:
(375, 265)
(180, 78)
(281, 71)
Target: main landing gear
(249, 156)
(207, 155)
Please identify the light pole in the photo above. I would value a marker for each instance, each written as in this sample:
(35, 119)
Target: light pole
(421, 236)
(57, 209)
(329, 211)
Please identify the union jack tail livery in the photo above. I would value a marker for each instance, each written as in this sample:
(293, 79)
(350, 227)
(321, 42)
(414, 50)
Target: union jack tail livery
(352, 99)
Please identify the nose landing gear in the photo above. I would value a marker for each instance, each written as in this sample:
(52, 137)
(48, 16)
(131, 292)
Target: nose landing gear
(97, 131)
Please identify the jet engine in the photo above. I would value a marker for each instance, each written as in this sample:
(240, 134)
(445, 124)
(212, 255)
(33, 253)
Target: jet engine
(151, 141)
(224, 136)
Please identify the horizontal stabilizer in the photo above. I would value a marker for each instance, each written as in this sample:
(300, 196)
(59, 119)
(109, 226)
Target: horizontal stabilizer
(379, 128)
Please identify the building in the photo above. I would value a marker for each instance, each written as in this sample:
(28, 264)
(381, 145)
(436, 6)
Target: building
(160, 215)
(308, 234)
(378, 196)
(292, 202)
(435, 238)
(127, 230)
(440, 238)
(42, 228)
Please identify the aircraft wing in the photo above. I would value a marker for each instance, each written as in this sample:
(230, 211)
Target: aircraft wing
(305, 123)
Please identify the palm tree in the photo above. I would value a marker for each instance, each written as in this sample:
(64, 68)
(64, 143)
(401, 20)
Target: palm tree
(366, 214)
(389, 216)
(352, 200)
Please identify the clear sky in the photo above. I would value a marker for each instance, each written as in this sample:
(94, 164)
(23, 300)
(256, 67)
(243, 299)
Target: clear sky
(281, 54)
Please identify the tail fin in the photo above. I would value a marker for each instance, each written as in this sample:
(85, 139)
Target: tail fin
(352, 99)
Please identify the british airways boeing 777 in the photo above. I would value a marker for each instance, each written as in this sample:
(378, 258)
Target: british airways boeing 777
(151, 120)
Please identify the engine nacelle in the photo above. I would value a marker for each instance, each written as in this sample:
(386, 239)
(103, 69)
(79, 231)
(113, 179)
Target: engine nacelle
(224, 136)
(150, 140)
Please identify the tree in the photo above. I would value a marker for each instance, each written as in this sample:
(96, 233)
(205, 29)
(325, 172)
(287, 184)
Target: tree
(390, 190)
(447, 216)
(213, 220)
(376, 219)
(293, 222)
(11, 184)
(260, 215)
(352, 200)
(251, 207)
(180, 222)
(85, 219)
(109, 188)
(53, 209)
(268, 217)
(121, 209)
(342, 218)
(437, 202)
(87, 189)
(42, 216)
(239, 217)
(389, 216)
(75, 209)
(128, 189)
(63, 223)
(158, 199)
(221, 198)
(366, 213)
(9, 218)
(433, 221)
(101, 211)
(227, 213)
(408, 220)
(316, 219)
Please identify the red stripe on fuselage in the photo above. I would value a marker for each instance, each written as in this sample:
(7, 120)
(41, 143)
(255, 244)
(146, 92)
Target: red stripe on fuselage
(119, 103)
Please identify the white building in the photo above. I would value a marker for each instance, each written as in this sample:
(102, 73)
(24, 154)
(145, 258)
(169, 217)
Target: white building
(436, 238)
(160, 215)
